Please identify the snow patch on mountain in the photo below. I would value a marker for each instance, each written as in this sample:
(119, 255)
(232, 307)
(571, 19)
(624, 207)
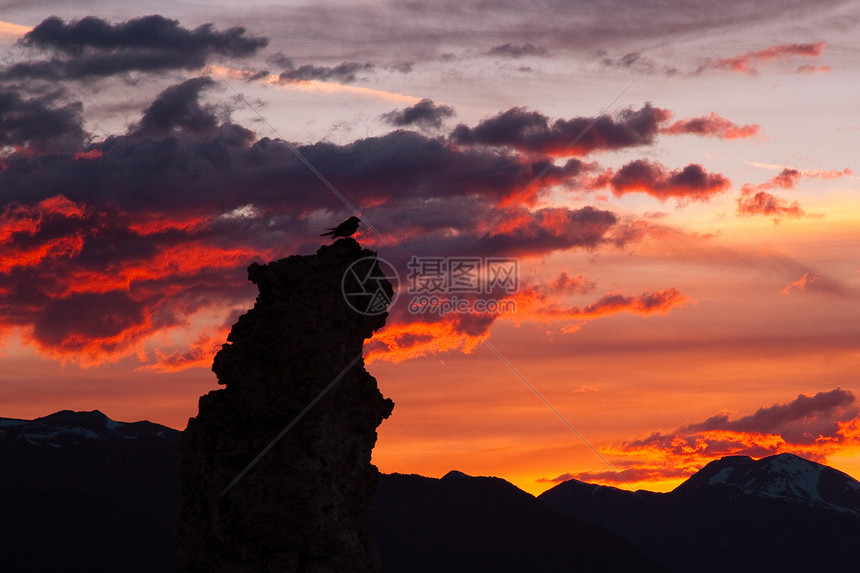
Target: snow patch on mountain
(721, 476)
(795, 476)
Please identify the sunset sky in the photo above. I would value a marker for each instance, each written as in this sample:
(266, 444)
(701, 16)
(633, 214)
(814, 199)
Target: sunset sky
(678, 186)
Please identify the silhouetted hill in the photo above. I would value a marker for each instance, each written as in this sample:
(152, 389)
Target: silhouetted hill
(466, 524)
(780, 513)
(81, 492)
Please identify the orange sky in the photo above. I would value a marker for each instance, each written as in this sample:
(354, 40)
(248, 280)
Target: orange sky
(679, 197)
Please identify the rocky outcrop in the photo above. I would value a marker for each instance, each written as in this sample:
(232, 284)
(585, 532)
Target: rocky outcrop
(298, 507)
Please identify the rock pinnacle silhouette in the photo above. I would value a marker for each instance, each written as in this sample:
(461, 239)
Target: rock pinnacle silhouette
(345, 229)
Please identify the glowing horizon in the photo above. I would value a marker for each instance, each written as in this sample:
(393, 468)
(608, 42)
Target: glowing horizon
(682, 208)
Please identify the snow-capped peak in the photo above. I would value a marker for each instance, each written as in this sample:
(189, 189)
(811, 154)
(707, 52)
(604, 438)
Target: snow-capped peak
(790, 474)
(782, 476)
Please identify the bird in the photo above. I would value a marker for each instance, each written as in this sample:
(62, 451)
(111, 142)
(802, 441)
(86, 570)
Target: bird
(345, 229)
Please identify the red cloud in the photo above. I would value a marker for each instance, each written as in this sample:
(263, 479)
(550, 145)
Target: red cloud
(763, 203)
(91, 154)
(20, 232)
(422, 331)
(757, 200)
(799, 284)
(134, 246)
(564, 283)
(92, 286)
(712, 125)
(402, 341)
(199, 354)
(745, 63)
(651, 177)
(811, 69)
(640, 473)
(813, 426)
(647, 303)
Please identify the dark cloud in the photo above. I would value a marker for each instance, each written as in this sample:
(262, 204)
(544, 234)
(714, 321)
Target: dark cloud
(281, 61)
(40, 122)
(801, 421)
(345, 72)
(578, 284)
(425, 113)
(629, 475)
(553, 228)
(94, 47)
(814, 426)
(179, 107)
(155, 32)
(141, 227)
(641, 175)
(712, 125)
(68, 324)
(531, 131)
(402, 67)
(636, 62)
(647, 303)
(510, 50)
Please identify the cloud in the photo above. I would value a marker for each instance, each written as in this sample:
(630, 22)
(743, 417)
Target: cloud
(799, 284)
(746, 62)
(802, 421)
(631, 475)
(532, 132)
(712, 125)
(655, 302)
(424, 114)
(146, 32)
(345, 72)
(813, 426)
(40, 123)
(419, 326)
(510, 50)
(564, 284)
(92, 46)
(757, 199)
(151, 230)
(639, 63)
(807, 69)
(641, 175)
(178, 107)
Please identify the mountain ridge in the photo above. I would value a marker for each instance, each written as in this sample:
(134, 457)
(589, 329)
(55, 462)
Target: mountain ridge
(743, 514)
(101, 492)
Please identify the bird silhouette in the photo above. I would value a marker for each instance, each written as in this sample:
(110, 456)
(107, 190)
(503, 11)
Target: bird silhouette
(345, 229)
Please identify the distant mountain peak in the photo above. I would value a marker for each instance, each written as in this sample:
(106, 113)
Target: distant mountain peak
(784, 476)
(70, 427)
(94, 419)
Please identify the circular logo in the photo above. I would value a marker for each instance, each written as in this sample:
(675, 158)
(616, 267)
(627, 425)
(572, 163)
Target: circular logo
(369, 285)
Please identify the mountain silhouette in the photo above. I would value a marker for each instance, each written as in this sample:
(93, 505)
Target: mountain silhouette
(465, 524)
(780, 513)
(81, 492)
